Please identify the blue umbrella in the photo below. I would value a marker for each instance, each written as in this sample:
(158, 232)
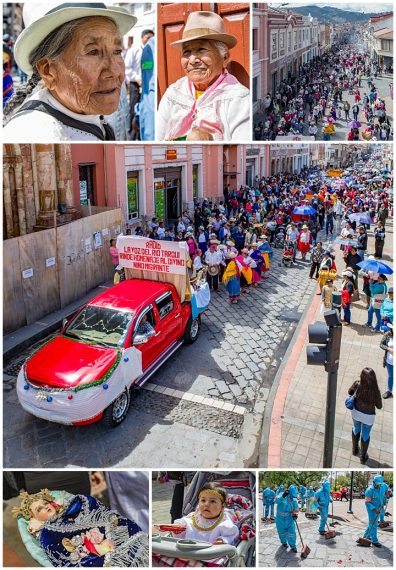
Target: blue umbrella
(361, 218)
(375, 266)
(304, 211)
(358, 186)
(347, 241)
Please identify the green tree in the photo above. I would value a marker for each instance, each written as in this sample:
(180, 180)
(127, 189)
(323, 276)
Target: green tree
(275, 478)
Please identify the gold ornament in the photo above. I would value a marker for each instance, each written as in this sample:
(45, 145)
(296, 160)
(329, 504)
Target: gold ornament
(27, 500)
(207, 529)
(213, 492)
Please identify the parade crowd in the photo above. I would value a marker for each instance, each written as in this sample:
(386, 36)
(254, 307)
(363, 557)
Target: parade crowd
(315, 103)
(231, 242)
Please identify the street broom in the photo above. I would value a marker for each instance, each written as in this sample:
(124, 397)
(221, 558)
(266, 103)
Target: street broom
(362, 541)
(305, 548)
(332, 515)
(329, 533)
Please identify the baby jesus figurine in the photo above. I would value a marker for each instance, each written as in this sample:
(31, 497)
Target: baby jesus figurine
(82, 532)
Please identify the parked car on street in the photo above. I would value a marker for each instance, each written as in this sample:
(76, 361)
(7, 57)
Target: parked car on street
(109, 348)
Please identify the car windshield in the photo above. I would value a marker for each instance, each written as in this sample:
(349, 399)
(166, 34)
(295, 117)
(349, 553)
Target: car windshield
(99, 325)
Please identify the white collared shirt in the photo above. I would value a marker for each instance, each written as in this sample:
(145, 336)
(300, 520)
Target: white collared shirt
(38, 127)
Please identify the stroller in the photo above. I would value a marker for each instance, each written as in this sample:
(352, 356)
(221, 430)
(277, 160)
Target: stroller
(311, 511)
(169, 551)
(280, 236)
(288, 254)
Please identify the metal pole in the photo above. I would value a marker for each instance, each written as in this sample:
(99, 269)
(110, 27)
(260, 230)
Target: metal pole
(350, 511)
(330, 418)
(335, 333)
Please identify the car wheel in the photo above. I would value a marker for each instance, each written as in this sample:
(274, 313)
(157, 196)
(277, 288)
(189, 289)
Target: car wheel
(192, 330)
(117, 411)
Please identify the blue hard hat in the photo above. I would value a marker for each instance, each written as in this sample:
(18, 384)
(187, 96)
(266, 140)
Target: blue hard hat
(293, 491)
(378, 480)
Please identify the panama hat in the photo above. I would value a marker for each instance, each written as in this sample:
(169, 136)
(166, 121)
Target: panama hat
(205, 26)
(42, 18)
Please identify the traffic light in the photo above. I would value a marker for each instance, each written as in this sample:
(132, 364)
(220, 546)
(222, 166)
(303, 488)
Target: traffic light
(325, 341)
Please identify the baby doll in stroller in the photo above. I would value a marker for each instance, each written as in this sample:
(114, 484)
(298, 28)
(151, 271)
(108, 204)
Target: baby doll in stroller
(217, 528)
(288, 254)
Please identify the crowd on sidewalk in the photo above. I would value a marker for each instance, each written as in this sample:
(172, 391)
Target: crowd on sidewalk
(313, 103)
(231, 242)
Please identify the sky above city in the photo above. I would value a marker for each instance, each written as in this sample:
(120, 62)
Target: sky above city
(350, 6)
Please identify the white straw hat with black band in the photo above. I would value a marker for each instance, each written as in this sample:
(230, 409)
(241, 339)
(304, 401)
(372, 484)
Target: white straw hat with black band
(42, 18)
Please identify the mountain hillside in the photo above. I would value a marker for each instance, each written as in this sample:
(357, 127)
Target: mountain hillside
(333, 15)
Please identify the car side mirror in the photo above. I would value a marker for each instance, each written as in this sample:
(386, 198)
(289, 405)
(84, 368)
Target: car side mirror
(140, 339)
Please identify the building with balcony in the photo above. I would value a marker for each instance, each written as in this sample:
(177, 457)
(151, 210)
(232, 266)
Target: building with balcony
(161, 180)
(380, 39)
(283, 41)
(292, 158)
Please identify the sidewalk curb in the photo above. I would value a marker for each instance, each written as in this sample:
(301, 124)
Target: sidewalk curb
(20, 346)
(45, 326)
(267, 420)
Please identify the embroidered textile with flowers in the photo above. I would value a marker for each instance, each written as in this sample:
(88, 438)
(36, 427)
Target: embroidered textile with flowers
(86, 533)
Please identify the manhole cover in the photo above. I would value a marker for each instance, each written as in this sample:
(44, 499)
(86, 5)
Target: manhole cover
(290, 316)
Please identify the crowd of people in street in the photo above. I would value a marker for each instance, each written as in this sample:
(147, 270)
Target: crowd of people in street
(314, 501)
(337, 88)
(231, 243)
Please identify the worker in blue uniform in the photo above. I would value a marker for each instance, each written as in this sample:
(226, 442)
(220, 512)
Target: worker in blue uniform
(286, 515)
(388, 495)
(268, 503)
(323, 499)
(303, 494)
(310, 492)
(375, 497)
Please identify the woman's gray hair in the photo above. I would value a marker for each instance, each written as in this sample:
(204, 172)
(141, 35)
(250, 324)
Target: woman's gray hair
(221, 47)
(51, 47)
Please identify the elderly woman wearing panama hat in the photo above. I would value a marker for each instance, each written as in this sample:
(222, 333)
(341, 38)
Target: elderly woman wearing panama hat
(209, 103)
(72, 52)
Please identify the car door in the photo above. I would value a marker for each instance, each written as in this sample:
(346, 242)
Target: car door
(150, 349)
(169, 318)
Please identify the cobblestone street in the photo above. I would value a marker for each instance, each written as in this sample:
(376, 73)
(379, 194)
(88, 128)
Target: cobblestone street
(342, 551)
(206, 402)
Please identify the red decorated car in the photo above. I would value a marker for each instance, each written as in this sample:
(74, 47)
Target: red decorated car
(112, 345)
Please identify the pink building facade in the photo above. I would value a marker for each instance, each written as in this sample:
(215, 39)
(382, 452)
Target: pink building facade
(283, 41)
(161, 180)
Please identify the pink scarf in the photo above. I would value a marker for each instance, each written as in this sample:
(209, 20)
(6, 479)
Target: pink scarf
(179, 126)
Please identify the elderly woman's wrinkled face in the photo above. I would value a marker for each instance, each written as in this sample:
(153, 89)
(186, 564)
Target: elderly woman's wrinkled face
(202, 62)
(87, 77)
(42, 510)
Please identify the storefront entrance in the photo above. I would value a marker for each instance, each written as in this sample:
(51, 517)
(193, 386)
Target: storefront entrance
(167, 194)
